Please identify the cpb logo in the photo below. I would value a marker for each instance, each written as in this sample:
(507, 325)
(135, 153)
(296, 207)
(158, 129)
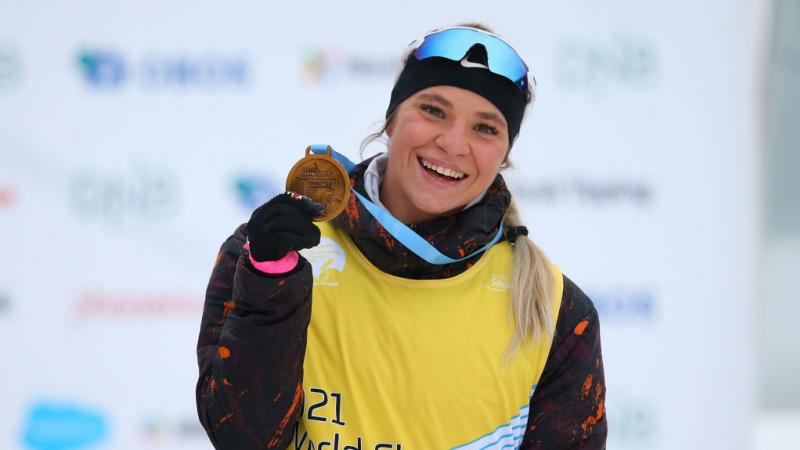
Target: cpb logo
(252, 191)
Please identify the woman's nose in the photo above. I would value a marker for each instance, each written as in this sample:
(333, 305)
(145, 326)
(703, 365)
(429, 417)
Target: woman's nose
(453, 140)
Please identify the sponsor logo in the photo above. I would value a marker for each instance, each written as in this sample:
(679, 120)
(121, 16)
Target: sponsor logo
(498, 283)
(102, 69)
(596, 65)
(57, 426)
(624, 304)
(635, 422)
(7, 197)
(106, 69)
(160, 430)
(595, 191)
(327, 261)
(326, 66)
(253, 191)
(139, 193)
(10, 68)
(124, 306)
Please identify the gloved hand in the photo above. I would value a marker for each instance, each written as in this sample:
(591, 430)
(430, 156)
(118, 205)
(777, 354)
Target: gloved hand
(284, 223)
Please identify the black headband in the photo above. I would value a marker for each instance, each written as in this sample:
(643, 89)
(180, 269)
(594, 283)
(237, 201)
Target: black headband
(504, 94)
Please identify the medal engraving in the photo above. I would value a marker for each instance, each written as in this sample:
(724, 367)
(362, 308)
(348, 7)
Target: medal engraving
(323, 179)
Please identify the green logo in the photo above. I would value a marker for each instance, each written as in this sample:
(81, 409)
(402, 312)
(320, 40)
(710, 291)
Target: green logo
(10, 68)
(598, 66)
(139, 193)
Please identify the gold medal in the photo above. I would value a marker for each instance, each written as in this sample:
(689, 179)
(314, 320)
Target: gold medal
(323, 179)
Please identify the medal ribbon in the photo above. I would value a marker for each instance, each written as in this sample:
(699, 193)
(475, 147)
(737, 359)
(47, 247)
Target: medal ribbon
(410, 239)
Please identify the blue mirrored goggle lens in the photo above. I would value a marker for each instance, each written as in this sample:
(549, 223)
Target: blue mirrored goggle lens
(454, 43)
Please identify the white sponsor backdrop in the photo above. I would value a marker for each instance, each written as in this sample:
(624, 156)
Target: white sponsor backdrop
(135, 136)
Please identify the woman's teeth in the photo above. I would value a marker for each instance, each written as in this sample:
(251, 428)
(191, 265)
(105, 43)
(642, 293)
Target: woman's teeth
(441, 170)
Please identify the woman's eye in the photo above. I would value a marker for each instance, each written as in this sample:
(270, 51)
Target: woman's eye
(484, 128)
(432, 110)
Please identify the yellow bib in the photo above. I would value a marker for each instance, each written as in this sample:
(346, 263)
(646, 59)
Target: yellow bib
(395, 363)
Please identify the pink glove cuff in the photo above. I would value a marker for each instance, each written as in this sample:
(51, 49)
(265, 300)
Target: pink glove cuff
(283, 265)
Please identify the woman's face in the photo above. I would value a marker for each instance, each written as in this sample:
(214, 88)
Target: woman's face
(446, 147)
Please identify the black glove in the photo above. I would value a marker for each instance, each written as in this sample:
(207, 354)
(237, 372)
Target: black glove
(282, 224)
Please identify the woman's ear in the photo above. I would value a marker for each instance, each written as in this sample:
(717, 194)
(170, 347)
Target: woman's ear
(506, 163)
(389, 127)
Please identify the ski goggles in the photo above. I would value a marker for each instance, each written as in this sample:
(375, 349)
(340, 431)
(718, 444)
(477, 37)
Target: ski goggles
(453, 43)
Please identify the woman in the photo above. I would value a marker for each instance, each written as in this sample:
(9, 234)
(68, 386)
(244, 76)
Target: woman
(485, 344)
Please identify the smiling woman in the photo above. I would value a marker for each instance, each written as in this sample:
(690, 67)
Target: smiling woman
(447, 144)
(437, 323)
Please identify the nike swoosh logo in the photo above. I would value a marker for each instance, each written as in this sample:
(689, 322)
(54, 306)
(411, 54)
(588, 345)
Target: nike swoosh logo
(466, 63)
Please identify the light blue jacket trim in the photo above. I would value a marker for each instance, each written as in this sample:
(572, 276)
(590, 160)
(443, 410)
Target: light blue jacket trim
(398, 229)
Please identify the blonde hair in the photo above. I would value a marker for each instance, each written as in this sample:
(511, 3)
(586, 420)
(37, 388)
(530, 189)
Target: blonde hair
(531, 287)
(530, 308)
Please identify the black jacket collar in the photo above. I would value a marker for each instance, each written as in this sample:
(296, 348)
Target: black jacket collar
(455, 235)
